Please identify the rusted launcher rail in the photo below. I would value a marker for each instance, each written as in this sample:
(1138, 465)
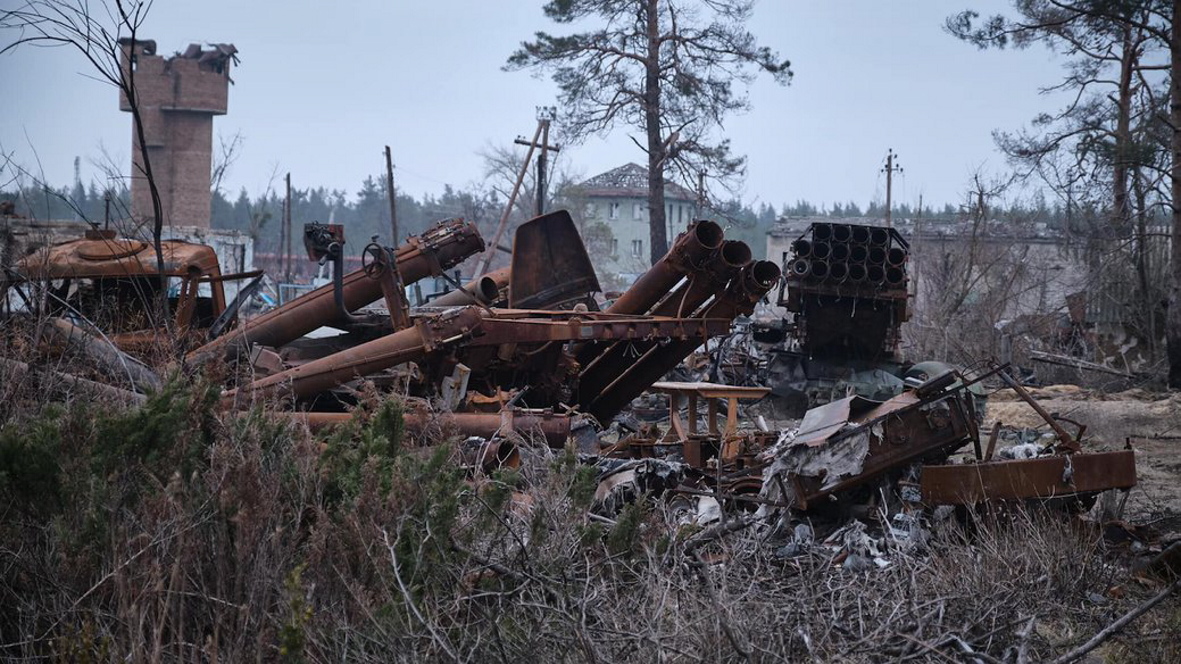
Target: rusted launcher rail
(441, 334)
(442, 247)
(702, 275)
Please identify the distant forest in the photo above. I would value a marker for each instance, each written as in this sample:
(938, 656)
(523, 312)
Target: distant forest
(366, 212)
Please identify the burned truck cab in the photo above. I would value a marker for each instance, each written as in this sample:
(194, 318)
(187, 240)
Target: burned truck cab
(114, 283)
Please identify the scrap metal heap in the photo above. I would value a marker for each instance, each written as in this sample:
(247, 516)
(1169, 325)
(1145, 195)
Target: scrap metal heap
(527, 350)
(530, 343)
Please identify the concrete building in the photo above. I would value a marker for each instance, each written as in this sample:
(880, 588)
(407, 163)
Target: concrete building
(177, 99)
(619, 199)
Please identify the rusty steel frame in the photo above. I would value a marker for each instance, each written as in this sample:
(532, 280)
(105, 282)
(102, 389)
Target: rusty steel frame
(1054, 476)
(469, 327)
(907, 435)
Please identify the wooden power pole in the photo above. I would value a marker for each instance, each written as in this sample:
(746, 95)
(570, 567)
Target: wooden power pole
(389, 188)
(285, 247)
(544, 115)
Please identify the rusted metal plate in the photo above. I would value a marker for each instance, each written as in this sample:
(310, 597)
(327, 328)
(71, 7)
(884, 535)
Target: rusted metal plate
(550, 266)
(1020, 479)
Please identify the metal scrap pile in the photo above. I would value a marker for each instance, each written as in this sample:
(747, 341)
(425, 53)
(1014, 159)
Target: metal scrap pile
(528, 350)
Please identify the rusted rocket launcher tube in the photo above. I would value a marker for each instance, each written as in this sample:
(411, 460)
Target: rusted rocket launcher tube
(407, 345)
(482, 290)
(686, 255)
(445, 245)
(721, 267)
(554, 427)
(744, 292)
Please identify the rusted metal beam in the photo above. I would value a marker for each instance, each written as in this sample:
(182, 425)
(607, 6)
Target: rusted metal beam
(1065, 441)
(1021, 479)
(445, 245)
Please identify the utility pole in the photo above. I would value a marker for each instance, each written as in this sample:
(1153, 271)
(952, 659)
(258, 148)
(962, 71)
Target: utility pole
(890, 169)
(389, 187)
(286, 260)
(700, 212)
(545, 115)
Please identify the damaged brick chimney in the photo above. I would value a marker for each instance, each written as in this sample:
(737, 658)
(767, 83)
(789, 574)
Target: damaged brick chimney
(178, 97)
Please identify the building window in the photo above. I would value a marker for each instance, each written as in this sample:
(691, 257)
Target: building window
(638, 211)
(614, 247)
(589, 211)
(614, 211)
(638, 248)
(681, 216)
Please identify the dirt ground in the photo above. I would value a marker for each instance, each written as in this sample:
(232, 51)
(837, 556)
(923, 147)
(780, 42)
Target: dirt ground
(1152, 422)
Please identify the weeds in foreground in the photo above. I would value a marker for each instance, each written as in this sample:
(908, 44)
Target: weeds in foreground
(169, 531)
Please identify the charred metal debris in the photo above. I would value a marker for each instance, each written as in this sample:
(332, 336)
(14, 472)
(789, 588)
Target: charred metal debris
(528, 355)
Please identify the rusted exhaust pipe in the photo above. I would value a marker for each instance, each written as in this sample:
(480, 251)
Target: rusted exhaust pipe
(391, 350)
(440, 248)
(686, 255)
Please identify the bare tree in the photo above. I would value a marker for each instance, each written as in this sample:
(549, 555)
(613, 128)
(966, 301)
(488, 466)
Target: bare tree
(99, 31)
(1114, 41)
(667, 67)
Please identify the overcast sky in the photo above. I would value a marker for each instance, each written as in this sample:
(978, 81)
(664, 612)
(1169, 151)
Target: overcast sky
(323, 86)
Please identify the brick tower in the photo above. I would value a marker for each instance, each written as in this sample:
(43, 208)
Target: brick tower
(178, 97)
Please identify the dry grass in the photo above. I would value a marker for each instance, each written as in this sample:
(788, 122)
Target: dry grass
(171, 532)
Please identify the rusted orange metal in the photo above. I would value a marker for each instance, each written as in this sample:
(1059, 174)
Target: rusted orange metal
(122, 285)
(484, 290)
(550, 267)
(1054, 476)
(744, 292)
(686, 257)
(468, 327)
(445, 245)
(719, 268)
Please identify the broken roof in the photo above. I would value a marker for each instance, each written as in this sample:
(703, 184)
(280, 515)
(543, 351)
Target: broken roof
(631, 181)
